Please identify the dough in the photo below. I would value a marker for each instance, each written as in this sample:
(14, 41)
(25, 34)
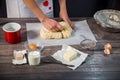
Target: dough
(46, 34)
(65, 33)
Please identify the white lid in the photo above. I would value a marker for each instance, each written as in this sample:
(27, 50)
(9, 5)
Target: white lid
(11, 27)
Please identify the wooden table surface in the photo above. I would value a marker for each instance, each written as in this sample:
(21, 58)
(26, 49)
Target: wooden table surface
(97, 67)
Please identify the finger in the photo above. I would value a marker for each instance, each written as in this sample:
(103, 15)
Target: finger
(72, 26)
(59, 27)
(47, 26)
(55, 29)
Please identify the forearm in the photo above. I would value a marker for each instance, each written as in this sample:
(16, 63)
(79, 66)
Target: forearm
(31, 4)
(63, 9)
(63, 13)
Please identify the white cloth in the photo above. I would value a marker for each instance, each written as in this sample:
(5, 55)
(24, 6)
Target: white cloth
(17, 8)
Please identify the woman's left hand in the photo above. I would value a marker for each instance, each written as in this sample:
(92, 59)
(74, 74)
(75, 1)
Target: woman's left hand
(67, 20)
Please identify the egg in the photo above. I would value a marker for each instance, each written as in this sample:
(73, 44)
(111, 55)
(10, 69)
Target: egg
(107, 48)
(107, 51)
(32, 46)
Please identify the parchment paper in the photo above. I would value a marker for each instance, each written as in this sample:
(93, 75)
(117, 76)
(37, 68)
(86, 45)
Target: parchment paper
(76, 62)
(81, 28)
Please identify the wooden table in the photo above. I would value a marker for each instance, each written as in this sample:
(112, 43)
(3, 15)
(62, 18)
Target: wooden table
(98, 66)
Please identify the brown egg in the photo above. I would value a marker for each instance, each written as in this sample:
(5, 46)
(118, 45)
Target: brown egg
(108, 46)
(32, 46)
(107, 51)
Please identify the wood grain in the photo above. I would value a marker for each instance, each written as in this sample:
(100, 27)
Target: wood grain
(96, 67)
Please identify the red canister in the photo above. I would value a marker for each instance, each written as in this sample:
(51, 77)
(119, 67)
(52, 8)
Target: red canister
(12, 32)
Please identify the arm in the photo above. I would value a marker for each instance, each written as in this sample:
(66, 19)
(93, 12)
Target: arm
(47, 22)
(35, 9)
(63, 13)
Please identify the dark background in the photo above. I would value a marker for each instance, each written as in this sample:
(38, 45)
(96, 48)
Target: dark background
(76, 8)
(2, 9)
(85, 8)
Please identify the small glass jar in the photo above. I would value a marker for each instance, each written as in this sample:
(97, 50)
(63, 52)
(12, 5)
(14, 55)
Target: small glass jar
(34, 57)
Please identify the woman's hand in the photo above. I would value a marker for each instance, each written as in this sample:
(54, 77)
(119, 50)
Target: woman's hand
(63, 13)
(51, 24)
(67, 20)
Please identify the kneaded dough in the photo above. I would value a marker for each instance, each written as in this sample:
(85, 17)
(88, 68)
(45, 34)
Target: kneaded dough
(65, 33)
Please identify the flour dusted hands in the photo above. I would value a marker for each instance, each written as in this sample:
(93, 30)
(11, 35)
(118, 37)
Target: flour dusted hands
(64, 33)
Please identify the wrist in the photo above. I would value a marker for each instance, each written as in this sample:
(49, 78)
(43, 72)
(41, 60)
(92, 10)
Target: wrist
(63, 15)
(43, 18)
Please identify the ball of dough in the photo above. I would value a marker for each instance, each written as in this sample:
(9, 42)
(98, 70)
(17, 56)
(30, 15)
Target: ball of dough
(47, 34)
(65, 33)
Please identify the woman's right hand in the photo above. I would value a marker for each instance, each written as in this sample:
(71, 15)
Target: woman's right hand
(51, 24)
